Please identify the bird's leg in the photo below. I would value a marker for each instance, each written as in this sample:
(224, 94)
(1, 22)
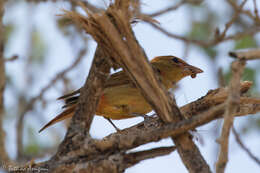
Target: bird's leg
(110, 121)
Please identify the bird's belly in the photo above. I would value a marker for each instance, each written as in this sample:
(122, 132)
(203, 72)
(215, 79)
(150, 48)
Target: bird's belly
(122, 102)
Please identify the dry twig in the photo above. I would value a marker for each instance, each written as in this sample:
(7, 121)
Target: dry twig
(135, 157)
(169, 9)
(232, 106)
(248, 54)
(249, 153)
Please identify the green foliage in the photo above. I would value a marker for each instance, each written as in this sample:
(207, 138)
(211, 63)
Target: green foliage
(246, 42)
(211, 52)
(203, 29)
(199, 31)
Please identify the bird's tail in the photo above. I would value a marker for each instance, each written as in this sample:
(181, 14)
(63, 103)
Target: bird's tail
(71, 101)
(68, 113)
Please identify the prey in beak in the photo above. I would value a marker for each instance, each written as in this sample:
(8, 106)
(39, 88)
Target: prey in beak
(192, 70)
(189, 70)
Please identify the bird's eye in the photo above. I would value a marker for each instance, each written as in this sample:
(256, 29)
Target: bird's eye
(175, 60)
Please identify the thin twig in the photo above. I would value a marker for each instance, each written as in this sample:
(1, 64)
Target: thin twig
(208, 43)
(256, 11)
(219, 38)
(233, 19)
(169, 9)
(248, 13)
(240, 143)
(13, 58)
(135, 157)
(232, 106)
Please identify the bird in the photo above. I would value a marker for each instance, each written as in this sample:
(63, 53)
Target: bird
(121, 99)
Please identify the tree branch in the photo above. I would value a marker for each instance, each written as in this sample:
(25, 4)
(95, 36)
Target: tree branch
(4, 158)
(135, 157)
(115, 145)
(78, 132)
(232, 106)
(248, 54)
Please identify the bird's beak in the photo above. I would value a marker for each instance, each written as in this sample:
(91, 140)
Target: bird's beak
(192, 70)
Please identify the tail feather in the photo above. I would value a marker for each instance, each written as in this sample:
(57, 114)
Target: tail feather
(71, 99)
(69, 95)
(68, 113)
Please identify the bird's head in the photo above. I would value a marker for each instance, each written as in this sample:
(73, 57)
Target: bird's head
(174, 69)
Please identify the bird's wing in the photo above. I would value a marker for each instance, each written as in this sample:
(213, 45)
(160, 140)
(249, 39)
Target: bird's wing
(117, 79)
(71, 99)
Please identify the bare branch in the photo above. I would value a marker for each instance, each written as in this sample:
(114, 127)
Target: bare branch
(256, 11)
(135, 157)
(169, 9)
(232, 106)
(232, 20)
(155, 130)
(239, 141)
(4, 158)
(78, 131)
(248, 54)
(13, 58)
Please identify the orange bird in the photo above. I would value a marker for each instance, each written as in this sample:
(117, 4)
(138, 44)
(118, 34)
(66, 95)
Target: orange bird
(121, 99)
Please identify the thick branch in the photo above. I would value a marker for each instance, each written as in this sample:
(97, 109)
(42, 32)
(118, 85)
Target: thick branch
(4, 158)
(78, 131)
(136, 65)
(111, 146)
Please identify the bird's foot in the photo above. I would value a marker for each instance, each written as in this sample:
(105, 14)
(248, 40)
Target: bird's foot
(111, 122)
(146, 118)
